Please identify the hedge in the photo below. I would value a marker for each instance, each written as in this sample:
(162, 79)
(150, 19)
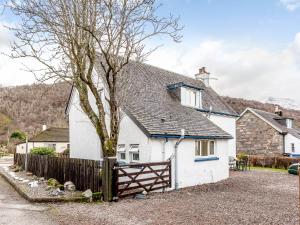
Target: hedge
(42, 151)
(279, 162)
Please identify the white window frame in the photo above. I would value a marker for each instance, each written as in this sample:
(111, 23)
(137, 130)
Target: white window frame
(292, 147)
(51, 145)
(198, 143)
(289, 123)
(121, 150)
(134, 149)
(191, 97)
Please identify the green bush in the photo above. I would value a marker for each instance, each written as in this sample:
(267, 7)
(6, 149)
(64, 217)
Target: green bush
(42, 151)
(66, 152)
(97, 196)
(242, 156)
(53, 183)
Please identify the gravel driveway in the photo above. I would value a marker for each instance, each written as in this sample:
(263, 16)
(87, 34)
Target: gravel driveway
(256, 197)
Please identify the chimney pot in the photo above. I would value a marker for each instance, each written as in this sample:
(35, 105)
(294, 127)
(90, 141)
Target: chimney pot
(203, 76)
(278, 111)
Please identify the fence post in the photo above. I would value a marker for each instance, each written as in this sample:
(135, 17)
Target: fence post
(107, 178)
(115, 188)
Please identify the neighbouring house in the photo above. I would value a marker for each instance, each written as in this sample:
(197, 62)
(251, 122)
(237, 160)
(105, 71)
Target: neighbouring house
(56, 138)
(260, 132)
(158, 106)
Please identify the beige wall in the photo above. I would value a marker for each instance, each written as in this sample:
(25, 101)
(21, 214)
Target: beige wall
(60, 146)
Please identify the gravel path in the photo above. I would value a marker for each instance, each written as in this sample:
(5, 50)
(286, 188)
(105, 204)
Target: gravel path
(256, 197)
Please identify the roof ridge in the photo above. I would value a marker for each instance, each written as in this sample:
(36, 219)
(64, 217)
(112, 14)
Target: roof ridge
(263, 111)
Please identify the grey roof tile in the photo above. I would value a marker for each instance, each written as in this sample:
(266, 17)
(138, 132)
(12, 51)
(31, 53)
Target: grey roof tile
(273, 119)
(52, 135)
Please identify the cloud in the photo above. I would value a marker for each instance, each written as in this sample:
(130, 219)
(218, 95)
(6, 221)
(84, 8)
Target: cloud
(12, 70)
(291, 4)
(253, 73)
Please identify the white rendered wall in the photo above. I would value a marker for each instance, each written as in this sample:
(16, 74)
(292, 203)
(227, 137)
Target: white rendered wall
(130, 134)
(190, 172)
(84, 141)
(289, 139)
(59, 148)
(228, 124)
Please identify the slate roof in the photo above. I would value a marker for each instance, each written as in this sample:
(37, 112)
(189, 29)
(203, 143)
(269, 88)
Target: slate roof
(52, 135)
(273, 118)
(158, 111)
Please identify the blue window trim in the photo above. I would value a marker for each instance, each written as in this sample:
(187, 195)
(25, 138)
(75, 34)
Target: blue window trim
(206, 159)
(181, 84)
(189, 136)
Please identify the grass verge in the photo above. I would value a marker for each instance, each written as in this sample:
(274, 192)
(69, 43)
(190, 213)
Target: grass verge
(267, 169)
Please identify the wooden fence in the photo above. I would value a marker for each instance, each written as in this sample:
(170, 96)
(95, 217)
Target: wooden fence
(85, 174)
(136, 178)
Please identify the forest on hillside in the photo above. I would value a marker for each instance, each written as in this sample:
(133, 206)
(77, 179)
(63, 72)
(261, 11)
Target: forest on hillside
(28, 107)
(239, 105)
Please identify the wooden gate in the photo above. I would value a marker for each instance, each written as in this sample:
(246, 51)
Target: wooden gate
(132, 179)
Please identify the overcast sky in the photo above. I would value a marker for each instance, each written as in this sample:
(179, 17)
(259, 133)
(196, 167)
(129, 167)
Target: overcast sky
(252, 47)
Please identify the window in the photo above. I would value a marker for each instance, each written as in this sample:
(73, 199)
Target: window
(289, 123)
(211, 147)
(205, 148)
(51, 146)
(293, 147)
(121, 152)
(134, 153)
(190, 97)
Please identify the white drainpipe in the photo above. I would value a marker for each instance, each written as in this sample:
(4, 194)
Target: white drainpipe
(164, 149)
(176, 158)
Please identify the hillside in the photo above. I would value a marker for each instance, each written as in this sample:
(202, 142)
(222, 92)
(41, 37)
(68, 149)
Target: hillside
(239, 105)
(28, 107)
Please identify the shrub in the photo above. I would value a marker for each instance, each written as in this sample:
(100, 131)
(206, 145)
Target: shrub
(53, 183)
(242, 156)
(97, 196)
(42, 151)
(279, 162)
(66, 152)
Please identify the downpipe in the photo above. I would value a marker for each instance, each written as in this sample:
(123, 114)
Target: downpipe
(176, 158)
(164, 149)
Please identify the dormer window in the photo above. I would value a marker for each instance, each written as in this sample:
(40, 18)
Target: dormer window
(289, 123)
(190, 97)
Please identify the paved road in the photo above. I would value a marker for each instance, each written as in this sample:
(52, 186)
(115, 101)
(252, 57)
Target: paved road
(14, 210)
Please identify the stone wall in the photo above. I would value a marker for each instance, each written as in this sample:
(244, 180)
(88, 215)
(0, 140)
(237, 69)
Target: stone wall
(255, 136)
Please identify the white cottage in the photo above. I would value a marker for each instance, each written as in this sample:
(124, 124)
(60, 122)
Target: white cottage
(158, 106)
(56, 138)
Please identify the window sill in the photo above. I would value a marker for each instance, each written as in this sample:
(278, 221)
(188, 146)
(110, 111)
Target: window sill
(191, 106)
(212, 158)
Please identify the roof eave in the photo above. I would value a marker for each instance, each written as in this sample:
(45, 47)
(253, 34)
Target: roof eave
(190, 136)
(218, 113)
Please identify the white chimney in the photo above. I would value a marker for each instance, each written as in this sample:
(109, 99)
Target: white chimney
(203, 75)
(44, 127)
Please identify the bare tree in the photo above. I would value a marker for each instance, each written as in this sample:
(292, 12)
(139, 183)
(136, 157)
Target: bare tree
(69, 37)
